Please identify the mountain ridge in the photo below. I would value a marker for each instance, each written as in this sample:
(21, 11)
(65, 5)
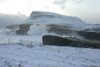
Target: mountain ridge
(52, 18)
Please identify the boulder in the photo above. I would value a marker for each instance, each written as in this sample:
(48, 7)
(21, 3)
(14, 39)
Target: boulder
(61, 41)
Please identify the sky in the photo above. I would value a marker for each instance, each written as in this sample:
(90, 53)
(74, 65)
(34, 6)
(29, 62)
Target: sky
(87, 10)
(10, 19)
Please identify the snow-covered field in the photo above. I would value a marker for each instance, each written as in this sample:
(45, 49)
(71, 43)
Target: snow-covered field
(38, 55)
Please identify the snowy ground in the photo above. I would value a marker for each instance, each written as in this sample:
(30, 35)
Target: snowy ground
(31, 53)
(38, 55)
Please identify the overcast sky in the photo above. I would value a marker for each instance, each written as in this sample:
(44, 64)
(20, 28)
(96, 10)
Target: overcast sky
(9, 19)
(87, 10)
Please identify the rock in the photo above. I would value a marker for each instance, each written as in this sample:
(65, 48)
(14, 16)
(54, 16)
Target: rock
(61, 41)
(51, 28)
(24, 28)
(55, 40)
(13, 27)
(90, 35)
(61, 29)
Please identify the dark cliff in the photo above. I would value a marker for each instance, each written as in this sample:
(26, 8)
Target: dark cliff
(23, 29)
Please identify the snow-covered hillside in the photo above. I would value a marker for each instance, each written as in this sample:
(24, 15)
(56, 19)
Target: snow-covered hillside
(46, 18)
(41, 22)
(52, 18)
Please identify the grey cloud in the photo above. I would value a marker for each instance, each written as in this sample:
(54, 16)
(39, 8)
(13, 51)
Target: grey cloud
(2, 0)
(63, 2)
(47, 7)
(6, 19)
(77, 1)
(60, 2)
(63, 7)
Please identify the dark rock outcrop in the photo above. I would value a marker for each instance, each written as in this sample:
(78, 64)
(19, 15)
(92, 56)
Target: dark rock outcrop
(24, 28)
(51, 28)
(60, 41)
(61, 29)
(90, 35)
(13, 27)
(56, 40)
